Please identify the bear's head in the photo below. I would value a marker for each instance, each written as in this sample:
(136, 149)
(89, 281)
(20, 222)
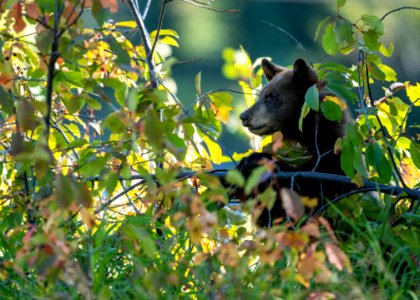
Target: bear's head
(280, 101)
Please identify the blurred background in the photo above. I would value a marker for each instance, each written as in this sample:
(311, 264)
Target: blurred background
(205, 33)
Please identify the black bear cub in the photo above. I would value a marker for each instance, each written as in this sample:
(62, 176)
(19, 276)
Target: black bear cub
(278, 109)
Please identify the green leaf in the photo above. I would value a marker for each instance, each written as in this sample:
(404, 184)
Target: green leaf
(312, 98)
(111, 183)
(329, 40)
(235, 177)
(153, 129)
(371, 39)
(47, 6)
(64, 194)
(331, 110)
(122, 55)
(347, 158)
(345, 33)
(373, 23)
(377, 159)
(320, 26)
(341, 91)
(340, 3)
(6, 102)
(93, 103)
(73, 104)
(415, 153)
(114, 122)
(99, 13)
(25, 112)
(175, 145)
(255, 179)
(334, 67)
(93, 165)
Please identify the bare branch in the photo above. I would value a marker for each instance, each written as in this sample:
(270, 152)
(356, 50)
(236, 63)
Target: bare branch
(146, 9)
(146, 41)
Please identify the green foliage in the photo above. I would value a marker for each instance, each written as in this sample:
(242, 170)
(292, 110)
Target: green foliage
(106, 187)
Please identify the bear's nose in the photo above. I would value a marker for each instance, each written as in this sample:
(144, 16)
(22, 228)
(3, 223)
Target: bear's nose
(244, 117)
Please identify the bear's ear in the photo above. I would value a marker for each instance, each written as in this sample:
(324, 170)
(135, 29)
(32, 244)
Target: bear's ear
(304, 72)
(270, 70)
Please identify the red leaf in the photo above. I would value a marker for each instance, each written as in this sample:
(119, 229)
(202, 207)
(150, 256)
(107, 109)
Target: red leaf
(32, 10)
(16, 13)
(292, 203)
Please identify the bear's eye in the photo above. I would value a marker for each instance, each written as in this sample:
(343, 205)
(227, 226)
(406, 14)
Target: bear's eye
(271, 97)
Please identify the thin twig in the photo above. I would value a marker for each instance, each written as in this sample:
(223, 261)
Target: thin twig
(398, 9)
(299, 45)
(160, 23)
(209, 8)
(386, 135)
(130, 188)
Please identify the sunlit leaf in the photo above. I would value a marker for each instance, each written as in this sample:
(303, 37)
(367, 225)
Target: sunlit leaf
(386, 51)
(169, 41)
(214, 150)
(413, 93)
(130, 24)
(164, 32)
(221, 104)
(198, 83)
(415, 153)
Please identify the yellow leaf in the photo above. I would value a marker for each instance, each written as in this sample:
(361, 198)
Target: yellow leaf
(163, 32)
(336, 100)
(87, 218)
(357, 180)
(413, 93)
(130, 24)
(214, 150)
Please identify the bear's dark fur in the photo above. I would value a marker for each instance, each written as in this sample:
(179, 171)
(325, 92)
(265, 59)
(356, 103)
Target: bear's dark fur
(278, 109)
